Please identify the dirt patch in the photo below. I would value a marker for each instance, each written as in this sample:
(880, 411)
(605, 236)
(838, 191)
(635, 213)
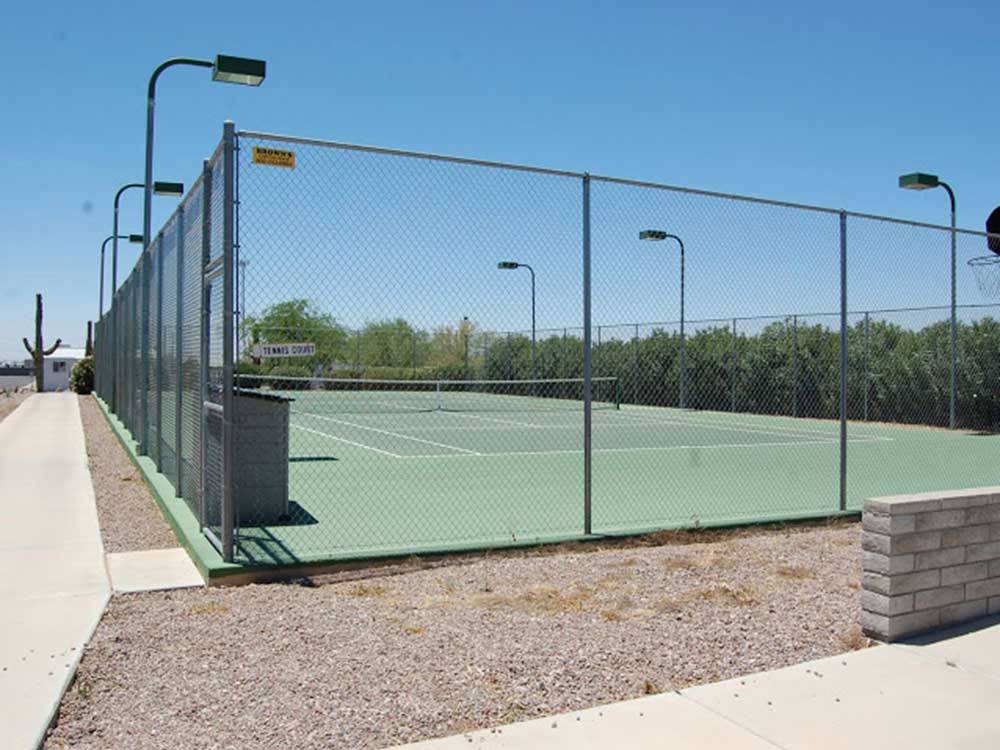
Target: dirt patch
(129, 516)
(461, 644)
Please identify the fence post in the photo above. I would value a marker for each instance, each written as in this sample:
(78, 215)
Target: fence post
(228, 402)
(142, 421)
(203, 333)
(732, 369)
(179, 355)
(866, 367)
(598, 346)
(795, 365)
(587, 436)
(158, 449)
(843, 360)
(635, 366)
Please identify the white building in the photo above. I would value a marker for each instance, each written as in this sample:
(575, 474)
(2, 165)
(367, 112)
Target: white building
(59, 365)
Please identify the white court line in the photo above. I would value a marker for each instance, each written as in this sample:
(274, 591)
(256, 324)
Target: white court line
(741, 427)
(349, 442)
(704, 419)
(390, 433)
(662, 448)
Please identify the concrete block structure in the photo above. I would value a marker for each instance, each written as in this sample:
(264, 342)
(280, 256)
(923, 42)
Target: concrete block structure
(930, 560)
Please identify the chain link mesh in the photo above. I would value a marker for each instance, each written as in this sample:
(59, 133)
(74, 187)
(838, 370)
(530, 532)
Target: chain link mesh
(398, 391)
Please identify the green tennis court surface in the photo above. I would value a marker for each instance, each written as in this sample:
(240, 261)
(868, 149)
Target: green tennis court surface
(397, 472)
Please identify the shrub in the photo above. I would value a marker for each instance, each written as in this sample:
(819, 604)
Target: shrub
(81, 380)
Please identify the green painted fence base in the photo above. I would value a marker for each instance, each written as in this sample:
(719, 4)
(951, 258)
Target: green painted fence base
(216, 571)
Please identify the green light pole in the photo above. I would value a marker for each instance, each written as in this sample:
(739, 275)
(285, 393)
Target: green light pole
(921, 181)
(175, 189)
(656, 235)
(131, 238)
(509, 265)
(225, 68)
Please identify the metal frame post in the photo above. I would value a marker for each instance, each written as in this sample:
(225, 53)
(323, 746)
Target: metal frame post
(843, 360)
(953, 396)
(587, 393)
(635, 367)
(732, 370)
(158, 449)
(228, 241)
(144, 266)
(598, 345)
(795, 365)
(683, 365)
(179, 354)
(866, 368)
(204, 329)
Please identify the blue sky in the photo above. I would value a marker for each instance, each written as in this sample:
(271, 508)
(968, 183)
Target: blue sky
(806, 102)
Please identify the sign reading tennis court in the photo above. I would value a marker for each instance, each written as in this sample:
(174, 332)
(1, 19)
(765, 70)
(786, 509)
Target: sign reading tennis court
(274, 157)
(285, 350)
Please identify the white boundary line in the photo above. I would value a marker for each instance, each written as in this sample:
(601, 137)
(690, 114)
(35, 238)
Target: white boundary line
(662, 448)
(391, 434)
(677, 420)
(349, 442)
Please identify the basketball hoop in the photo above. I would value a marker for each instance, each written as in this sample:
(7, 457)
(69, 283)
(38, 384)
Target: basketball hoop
(987, 271)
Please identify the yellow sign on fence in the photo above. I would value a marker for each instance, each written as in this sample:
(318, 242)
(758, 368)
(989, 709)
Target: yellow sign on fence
(274, 157)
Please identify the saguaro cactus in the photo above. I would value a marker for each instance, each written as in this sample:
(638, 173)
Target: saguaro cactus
(39, 352)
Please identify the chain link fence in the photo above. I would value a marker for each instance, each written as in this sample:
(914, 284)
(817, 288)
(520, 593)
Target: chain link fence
(334, 351)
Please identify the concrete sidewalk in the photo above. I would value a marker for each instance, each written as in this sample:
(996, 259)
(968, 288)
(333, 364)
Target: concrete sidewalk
(53, 582)
(941, 692)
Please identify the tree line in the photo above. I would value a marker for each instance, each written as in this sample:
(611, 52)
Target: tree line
(895, 374)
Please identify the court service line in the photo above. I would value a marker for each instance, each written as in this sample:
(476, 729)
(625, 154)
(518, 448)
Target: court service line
(703, 420)
(349, 442)
(391, 434)
(662, 448)
(742, 427)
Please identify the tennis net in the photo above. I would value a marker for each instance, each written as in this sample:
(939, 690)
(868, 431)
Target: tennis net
(359, 395)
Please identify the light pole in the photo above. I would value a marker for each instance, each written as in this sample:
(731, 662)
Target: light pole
(465, 336)
(656, 235)
(510, 265)
(224, 68)
(131, 238)
(175, 189)
(921, 181)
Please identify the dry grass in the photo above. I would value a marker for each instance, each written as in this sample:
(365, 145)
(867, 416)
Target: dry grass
(539, 599)
(207, 608)
(854, 639)
(362, 590)
(795, 572)
(736, 596)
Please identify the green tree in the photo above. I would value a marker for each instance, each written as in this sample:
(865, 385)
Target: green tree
(298, 320)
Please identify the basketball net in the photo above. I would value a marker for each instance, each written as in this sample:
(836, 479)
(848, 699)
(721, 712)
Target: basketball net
(987, 271)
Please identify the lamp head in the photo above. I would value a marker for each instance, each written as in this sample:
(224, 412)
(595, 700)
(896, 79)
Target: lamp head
(175, 189)
(918, 181)
(242, 70)
(136, 238)
(508, 265)
(654, 235)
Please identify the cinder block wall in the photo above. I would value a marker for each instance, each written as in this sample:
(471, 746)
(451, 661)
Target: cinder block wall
(930, 560)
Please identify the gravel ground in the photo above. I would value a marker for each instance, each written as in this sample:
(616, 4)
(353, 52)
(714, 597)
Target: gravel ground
(431, 649)
(129, 516)
(10, 400)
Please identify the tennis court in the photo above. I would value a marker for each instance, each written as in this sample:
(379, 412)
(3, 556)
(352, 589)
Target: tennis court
(421, 467)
